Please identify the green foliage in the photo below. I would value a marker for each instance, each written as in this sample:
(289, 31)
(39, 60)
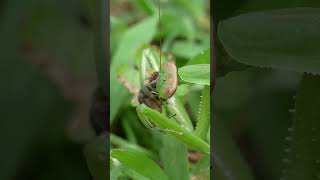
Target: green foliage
(95, 153)
(139, 162)
(174, 155)
(171, 140)
(282, 39)
(173, 129)
(301, 156)
(35, 114)
(204, 114)
(199, 74)
(131, 41)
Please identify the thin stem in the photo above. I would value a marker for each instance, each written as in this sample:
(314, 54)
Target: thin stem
(159, 30)
(204, 114)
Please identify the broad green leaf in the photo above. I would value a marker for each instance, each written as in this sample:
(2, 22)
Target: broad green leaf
(286, 39)
(198, 74)
(140, 163)
(201, 58)
(174, 157)
(301, 157)
(133, 38)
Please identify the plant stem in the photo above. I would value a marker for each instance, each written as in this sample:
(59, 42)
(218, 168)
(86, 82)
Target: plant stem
(302, 158)
(204, 114)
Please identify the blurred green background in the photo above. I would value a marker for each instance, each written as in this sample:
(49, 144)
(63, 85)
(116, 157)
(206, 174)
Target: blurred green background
(48, 76)
(255, 105)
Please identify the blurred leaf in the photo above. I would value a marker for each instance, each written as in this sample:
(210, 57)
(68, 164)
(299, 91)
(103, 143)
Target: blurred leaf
(283, 39)
(133, 38)
(71, 44)
(29, 102)
(174, 156)
(226, 64)
(302, 158)
(140, 163)
(199, 73)
(95, 153)
(186, 49)
(123, 143)
(183, 90)
(228, 162)
(130, 134)
(195, 7)
(117, 29)
(201, 168)
(147, 6)
(116, 172)
(101, 46)
(201, 58)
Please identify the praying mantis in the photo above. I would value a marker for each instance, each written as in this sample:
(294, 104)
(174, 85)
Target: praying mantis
(157, 106)
(158, 87)
(158, 83)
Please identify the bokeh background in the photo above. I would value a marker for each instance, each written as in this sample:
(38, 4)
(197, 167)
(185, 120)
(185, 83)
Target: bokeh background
(254, 105)
(48, 77)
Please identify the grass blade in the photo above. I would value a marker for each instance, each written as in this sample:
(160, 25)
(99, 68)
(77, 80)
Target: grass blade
(140, 163)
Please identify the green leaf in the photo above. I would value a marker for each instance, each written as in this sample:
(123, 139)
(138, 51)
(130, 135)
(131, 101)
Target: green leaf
(286, 39)
(198, 74)
(195, 7)
(122, 143)
(201, 58)
(186, 49)
(228, 162)
(146, 5)
(226, 64)
(140, 163)
(301, 157)
(174, 157)
(174, 129)
(133, 38)
(95, 153)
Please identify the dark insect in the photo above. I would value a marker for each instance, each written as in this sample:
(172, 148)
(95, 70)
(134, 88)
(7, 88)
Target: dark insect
(159, 87)
(148, 94)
